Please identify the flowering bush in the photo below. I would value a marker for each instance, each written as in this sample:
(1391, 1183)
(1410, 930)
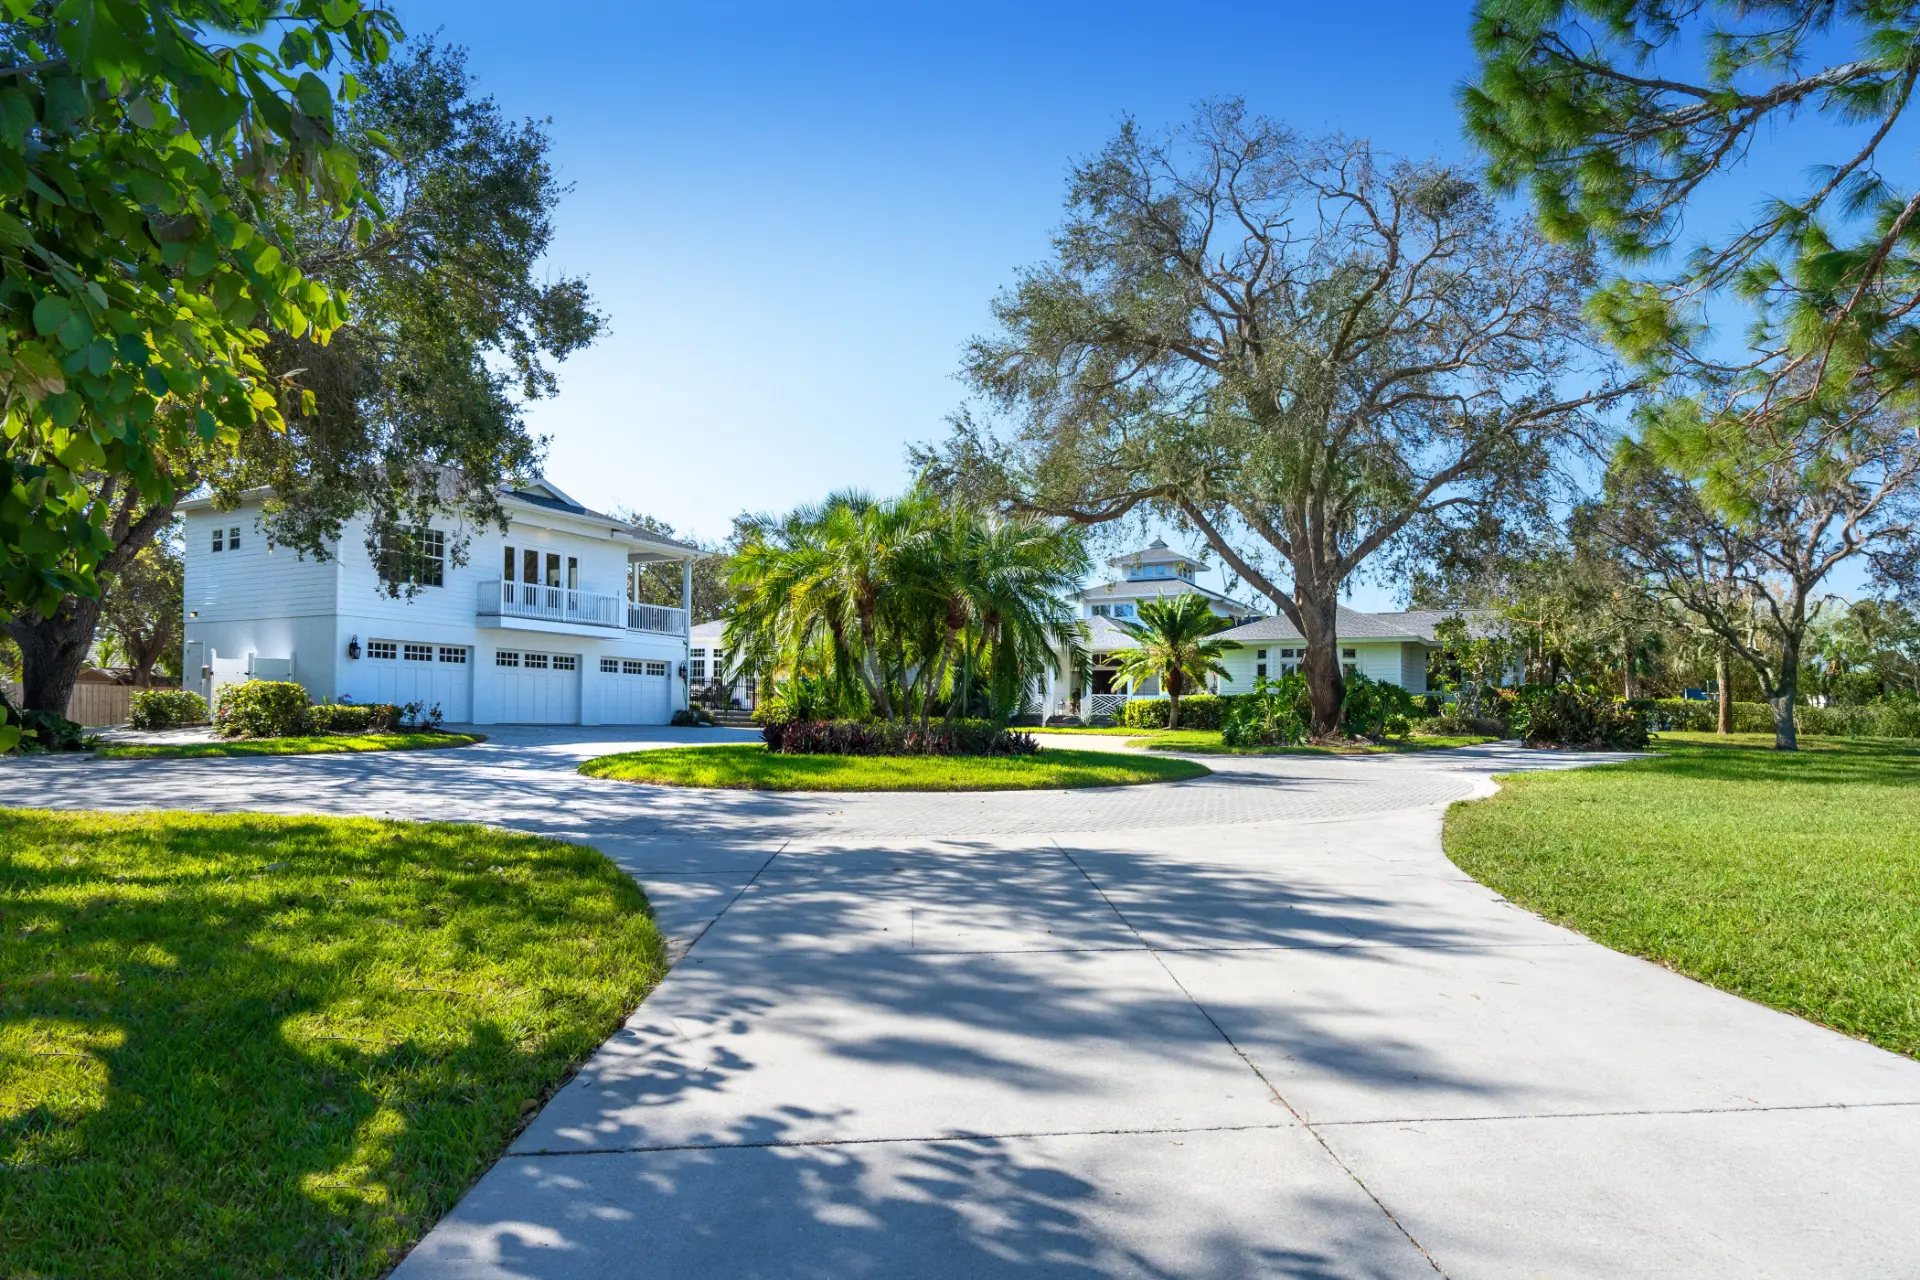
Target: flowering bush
(263, 709)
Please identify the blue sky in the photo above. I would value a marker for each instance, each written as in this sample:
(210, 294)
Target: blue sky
(795, 215)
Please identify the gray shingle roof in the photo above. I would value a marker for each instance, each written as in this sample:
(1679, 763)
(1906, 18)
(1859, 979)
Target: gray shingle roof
(1412, 624)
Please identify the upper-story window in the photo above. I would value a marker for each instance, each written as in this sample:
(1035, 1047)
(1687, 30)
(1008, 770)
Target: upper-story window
(227, 539)
(1124, 611)
(414, 557)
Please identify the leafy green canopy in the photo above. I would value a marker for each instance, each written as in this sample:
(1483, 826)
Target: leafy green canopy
(1614, 115)
(134, 282)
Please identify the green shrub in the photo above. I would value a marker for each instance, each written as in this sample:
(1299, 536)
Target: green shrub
(1197, 711)
(1564, 715)
(263, 709)
(1398, 726)
(1275, 714)
(1370, 704)
(1892, 718)
(166, 709)
(42, 731)
(694, 717)
(879, 738)
(1463, 725)
(341, 717)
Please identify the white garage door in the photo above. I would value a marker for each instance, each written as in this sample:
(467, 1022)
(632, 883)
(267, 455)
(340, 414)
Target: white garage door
(532, 687)
(635, 691)
(403, 671)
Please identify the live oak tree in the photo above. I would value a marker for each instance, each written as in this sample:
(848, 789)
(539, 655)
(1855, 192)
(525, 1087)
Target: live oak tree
(135, 291)
(413, 405)
(1617, 116)
(1317, 358)
(1748, 567)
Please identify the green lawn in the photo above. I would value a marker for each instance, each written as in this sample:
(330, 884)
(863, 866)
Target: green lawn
(316, 745)
(1790, 878)
(254, 1046)
(1207, 742)
(752, 767)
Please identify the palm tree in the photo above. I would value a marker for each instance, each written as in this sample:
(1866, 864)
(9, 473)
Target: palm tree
(1171, 642)
(897, 603)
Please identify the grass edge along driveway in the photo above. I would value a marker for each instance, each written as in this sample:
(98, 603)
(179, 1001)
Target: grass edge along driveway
(268, 1046)
(751, 767)
(310, 745)
(1792, 879)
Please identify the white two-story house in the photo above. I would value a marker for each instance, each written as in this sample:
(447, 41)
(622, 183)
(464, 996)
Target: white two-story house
(538, 625)
(1393, 647)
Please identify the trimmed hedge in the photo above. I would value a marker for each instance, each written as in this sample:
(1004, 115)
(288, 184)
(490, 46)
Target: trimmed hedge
(1898, 719)
(263, 709)
(878, 738)
(341, 717)
(1197, 711)
(166, 709)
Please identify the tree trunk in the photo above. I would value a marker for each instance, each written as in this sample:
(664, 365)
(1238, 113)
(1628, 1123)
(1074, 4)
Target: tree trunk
(1172, 678)
(52, 651)
(1723, 679)
(1626, 649)
(1326, 686)
(1784, 693)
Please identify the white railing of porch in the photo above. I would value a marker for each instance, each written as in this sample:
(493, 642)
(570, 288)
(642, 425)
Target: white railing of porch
(1105, 704)
(568, 604)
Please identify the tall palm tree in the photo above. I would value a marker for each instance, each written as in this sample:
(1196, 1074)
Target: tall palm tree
(905, 600)
(1170, 641)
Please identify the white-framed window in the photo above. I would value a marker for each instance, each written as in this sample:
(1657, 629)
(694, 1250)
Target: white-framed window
(506, 658)
(233, 537)
(219, 538)
(1099, 610)
(417, 652)
(453, 653)
(566, 661)
(1124, 611)
(1259, 670)
(1348, 653)
(386, 649)
(535, 660)
(632, 666)
(609, 666)
(1260, 653)
(414, 556)
(656, 668)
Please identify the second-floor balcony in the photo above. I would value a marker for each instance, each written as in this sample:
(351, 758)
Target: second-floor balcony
(569, 605)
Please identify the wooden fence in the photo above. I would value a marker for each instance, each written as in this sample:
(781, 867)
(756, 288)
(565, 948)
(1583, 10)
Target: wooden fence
(94, 705)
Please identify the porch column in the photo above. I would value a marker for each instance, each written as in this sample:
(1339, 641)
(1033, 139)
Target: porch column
(686, 635)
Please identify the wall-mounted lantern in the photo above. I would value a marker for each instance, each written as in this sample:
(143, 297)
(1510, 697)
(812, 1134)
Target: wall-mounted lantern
(683, 671)
(353, 647)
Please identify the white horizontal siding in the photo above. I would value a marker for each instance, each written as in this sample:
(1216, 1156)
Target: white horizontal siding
(254, 582)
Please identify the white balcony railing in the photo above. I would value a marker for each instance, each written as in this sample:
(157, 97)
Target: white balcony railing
(587, 608)
(1105, 704)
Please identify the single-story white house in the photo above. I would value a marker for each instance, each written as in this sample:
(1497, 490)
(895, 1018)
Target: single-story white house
(1390, 647)
(1393, 647)
(539, 625)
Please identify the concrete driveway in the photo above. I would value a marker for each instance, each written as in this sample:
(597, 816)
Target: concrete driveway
(1249, 1025)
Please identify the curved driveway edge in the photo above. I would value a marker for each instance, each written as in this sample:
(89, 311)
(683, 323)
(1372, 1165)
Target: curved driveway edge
(1252, 1024)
